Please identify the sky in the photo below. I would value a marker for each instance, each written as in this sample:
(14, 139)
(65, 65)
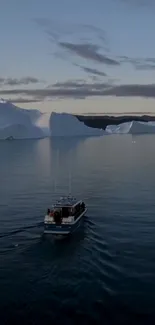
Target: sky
(79, 56)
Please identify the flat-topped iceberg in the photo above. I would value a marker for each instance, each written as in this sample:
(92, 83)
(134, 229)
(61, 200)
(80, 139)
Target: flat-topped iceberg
(64, 124)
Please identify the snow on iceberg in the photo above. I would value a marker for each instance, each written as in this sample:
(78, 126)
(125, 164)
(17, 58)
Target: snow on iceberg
(133, 127)
(19, 123)
(64, 124)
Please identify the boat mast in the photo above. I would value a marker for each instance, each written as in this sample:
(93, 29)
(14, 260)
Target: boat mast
(70, 185)
(70, 177)
(56, 171)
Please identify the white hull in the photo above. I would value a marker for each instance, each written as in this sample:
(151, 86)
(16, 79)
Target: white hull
(63, 228)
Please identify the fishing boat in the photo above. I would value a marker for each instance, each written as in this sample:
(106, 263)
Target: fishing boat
(65, 216)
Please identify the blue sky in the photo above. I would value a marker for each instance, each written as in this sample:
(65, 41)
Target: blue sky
(78, 55)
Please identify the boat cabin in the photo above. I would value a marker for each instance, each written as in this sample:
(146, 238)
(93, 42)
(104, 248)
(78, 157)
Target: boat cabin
(66, 207)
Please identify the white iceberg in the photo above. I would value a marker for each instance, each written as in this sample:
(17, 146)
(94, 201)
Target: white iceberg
(119, 129)
(142, 128)
(64, 124)
(133, 127)
(18, 123)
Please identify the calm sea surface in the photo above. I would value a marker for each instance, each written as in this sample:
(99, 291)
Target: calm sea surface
(105, 273)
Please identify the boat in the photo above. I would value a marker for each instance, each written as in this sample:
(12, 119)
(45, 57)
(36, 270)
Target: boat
(65, 216)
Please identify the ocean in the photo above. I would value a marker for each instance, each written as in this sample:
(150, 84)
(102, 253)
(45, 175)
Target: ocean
(105, 273)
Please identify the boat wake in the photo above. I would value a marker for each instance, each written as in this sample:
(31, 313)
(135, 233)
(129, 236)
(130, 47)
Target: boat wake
(20, 230)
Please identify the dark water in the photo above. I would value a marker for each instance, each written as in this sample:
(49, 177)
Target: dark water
(105, 274)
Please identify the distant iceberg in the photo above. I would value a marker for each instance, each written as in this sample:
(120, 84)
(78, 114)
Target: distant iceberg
(133, 127)
(64, 124)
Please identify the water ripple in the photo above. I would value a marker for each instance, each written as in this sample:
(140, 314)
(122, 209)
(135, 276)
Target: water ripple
(105, 272)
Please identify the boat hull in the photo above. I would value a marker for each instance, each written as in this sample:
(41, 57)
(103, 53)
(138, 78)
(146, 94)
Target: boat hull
(63, 229)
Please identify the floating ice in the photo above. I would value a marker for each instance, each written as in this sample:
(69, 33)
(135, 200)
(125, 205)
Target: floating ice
(19, 123)
(132, 128)
(64, 124)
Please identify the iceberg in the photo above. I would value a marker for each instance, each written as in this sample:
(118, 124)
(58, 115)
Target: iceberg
(65, 124)
(118, 129)
(18, 123)
(133, 127)
(142, 128)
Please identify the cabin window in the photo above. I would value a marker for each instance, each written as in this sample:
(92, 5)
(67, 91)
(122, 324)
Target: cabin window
(65, 212)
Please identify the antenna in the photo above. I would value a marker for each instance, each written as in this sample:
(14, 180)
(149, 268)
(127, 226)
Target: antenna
(70, 177)
(70, 185)
(56, 169)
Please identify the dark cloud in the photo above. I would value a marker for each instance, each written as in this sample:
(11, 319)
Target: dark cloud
(19, 81)
(69, 84)
(88, 51)
(135, 90)
(92, 45)
(67, 89)
(87, 41)
(81, 85)
(73, 89)
(139, 63)
(25, 100)
(92, 71)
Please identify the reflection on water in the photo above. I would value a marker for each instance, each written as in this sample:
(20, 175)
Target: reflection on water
(66, 144)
